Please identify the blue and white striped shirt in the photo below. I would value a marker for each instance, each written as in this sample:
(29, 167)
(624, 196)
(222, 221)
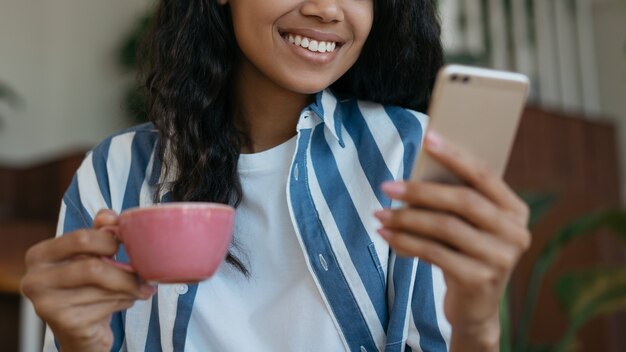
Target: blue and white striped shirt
(345, 151)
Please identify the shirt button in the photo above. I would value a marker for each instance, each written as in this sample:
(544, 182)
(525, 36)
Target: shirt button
(182, 289)
(323, 262)
(296, 172)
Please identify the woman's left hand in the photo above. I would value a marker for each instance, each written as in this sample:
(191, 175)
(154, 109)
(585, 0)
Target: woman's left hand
(475, 233)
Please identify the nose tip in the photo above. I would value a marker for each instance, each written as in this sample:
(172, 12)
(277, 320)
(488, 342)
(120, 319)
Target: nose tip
(324, 10)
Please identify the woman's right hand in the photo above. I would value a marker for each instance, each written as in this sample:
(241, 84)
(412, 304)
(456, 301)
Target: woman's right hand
(75, 291)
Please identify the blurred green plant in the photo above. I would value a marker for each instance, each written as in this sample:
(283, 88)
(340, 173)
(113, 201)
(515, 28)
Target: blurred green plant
(9, 95)
(583, 294)
(135, 96)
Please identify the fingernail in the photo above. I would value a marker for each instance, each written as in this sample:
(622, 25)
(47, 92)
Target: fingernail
(147, 290)
(107, 213)
(384, 233)
(433, 140)
(383, 215)
(394, 189)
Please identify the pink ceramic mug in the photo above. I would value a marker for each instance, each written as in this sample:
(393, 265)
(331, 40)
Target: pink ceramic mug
(176, 242)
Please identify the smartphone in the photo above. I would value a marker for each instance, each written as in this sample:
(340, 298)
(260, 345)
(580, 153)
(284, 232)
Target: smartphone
(478, 110)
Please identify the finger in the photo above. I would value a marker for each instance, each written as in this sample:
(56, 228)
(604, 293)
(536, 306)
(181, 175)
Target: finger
(104, 310)
(82, 319)
(81, 242)
(105, 217)
(462, 269)
(91, 271)
(453, 232)
(89, 295)
(475, 172)
(462, 201)
(48, 303)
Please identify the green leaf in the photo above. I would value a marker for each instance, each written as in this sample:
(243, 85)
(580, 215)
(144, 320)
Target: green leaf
(590, 293)
(541, 348)
(128, 50)
(135, 102)
(539, 204)
(616, 221)
(9, 95)
(505, 323)
(586, 225)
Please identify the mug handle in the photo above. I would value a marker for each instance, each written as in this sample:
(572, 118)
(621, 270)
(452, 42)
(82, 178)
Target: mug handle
(112, 260)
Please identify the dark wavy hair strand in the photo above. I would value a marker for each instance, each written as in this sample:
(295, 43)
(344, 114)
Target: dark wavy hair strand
(401, 57)
(189, 59)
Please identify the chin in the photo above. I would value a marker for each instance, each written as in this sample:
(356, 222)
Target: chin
(308, 85)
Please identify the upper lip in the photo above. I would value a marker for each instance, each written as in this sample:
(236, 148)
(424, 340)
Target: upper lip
(313, 34)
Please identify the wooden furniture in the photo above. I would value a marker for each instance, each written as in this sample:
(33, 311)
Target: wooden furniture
(29, 203)
(17, 237)
(34, 193)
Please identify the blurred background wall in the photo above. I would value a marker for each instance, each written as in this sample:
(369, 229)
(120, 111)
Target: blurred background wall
(610, 44)
(61, 58)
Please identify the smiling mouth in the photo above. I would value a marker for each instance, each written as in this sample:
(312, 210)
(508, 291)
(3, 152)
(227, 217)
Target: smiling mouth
(316, 46)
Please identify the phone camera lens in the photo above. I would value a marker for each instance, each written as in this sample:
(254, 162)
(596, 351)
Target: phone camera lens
(453, 78)
(466, 79)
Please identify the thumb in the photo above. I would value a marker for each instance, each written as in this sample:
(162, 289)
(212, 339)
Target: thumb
(105, 217)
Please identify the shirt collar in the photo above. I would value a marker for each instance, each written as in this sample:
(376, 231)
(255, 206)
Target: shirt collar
(326, 107)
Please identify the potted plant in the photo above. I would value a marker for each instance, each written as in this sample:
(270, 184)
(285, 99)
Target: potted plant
(10, 96)
(583, 294)
(135, 97)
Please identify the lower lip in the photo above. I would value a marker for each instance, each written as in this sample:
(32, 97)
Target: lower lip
(312, 57)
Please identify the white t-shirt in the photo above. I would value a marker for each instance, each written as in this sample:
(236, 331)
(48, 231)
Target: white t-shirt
(278, 308)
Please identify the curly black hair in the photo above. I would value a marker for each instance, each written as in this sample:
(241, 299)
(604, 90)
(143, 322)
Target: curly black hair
(189, 61)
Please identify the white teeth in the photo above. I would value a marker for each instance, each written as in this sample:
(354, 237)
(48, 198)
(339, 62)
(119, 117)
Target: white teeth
(311, 44)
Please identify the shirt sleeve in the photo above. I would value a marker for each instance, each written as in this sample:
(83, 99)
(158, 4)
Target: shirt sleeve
(49, 344)
(429, 330)
(70, 219)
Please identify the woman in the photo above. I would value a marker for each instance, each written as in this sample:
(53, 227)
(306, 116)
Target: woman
(304, 115)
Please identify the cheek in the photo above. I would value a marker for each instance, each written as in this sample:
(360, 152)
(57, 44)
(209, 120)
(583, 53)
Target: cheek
(362, 17)
(251, 21)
